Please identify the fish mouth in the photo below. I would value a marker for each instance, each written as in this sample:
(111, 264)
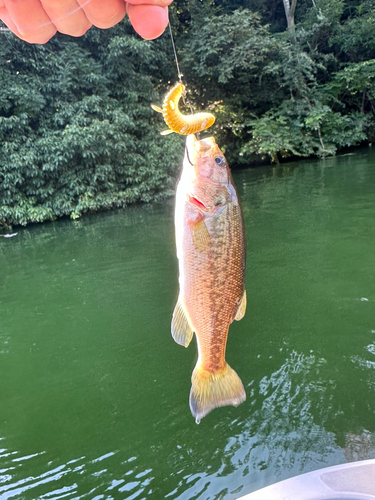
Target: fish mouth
(196, 148)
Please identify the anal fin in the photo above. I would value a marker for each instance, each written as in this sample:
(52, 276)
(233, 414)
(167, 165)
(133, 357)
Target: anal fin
(182, 332)
(241, 308)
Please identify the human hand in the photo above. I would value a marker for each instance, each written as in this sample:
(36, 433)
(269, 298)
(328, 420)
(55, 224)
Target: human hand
(36, 21)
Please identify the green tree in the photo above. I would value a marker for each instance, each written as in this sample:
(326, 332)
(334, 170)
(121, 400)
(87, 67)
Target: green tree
(78, 133)
(272, 91)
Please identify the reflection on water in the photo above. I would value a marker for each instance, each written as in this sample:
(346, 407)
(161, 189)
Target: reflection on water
(286, 420)
(279, 439)
(93, 388)
(359, 447)
(4, 344)
(66, 480)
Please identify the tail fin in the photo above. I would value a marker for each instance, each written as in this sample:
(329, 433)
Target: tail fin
(213, 389)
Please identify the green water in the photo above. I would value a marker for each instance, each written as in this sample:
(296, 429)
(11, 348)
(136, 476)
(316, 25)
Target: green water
(94, 392)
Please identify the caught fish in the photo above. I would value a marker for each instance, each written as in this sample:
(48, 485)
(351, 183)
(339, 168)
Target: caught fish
(176, 121)
(211, 252)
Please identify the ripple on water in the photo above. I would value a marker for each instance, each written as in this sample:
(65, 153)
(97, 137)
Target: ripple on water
(276, 441)
(68, 480)
(85, 315)
(4, 343)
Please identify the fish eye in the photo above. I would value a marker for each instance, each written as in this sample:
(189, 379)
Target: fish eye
(220, 160)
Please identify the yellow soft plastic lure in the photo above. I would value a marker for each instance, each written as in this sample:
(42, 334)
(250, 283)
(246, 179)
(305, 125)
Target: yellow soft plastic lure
(176, 121)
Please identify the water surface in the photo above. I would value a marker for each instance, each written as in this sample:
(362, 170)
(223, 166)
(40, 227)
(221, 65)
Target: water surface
(94, 392)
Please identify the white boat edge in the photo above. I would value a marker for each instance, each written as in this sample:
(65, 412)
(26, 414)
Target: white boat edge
(350, 481)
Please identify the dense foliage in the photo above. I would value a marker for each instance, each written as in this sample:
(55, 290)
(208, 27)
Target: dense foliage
(78, 133)
(280, 94)
(77, 130)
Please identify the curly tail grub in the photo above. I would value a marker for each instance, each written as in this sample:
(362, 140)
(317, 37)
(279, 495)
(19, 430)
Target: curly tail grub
(176, 121)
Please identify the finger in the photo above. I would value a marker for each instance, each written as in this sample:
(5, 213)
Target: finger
(5, 17)
(33, 24)
(103, 14)
(149, 21)
(67, 16)
(161, 3)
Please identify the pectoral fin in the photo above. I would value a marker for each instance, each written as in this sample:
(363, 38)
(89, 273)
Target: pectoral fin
(156, 108)
(200, 234)
(166, 132)
(241, 308)
(182, 332)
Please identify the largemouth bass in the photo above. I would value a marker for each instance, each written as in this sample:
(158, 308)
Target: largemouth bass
(211, 253)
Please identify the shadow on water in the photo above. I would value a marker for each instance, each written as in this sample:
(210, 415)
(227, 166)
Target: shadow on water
(94, 392)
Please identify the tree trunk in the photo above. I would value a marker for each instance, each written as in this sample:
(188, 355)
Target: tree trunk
(290, 7)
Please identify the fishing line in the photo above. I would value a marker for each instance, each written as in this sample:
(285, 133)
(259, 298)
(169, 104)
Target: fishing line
(175, 53)
(186, 102)
(188, 157)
